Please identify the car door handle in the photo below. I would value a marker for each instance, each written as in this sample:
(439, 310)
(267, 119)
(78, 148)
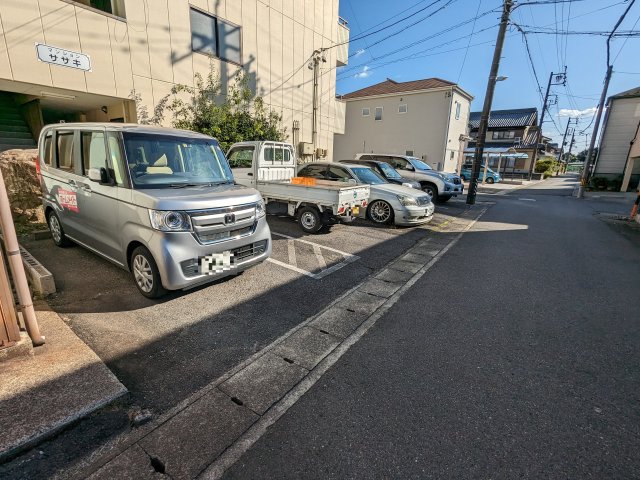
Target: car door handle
(249, 174)
(85, 187)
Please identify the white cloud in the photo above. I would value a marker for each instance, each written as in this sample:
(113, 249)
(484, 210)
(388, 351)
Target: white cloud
(359, 52)
(364, 73)
(567, 112)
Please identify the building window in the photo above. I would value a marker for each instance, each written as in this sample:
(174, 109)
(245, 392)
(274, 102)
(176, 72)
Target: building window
(366, 112)
(215, 37)
(402, 108)
(112, 7)
(458, 110)
(409, 153)
(378, 113)
(451, 157)
(505, 134)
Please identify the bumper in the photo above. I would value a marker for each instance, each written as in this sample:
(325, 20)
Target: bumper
(406, 216)
(452, 189)
(177, 255)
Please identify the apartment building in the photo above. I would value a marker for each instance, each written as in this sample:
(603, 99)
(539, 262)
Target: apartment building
(85, 60)
(425, 118)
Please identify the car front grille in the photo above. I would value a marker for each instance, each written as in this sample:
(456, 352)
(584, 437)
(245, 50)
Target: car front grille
(220, 224)
(422, 201)
(190, 268)
(457, 181)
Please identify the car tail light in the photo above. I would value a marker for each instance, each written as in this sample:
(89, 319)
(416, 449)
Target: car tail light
(364, 203)
(341, 210)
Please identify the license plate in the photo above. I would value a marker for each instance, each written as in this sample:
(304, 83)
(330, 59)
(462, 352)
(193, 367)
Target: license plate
(217, 263)
(355, 210)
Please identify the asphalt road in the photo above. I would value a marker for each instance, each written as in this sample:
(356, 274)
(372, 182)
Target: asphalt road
(515, 356)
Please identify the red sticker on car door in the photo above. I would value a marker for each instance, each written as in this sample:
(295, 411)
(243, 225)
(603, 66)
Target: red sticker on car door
(68, 199)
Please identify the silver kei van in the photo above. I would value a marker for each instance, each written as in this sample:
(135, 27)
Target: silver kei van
(159, 202)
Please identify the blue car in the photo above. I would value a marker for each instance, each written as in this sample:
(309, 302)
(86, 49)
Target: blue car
(492, 177)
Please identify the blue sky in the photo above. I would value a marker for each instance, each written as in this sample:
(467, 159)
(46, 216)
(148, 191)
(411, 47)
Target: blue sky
(443, 55)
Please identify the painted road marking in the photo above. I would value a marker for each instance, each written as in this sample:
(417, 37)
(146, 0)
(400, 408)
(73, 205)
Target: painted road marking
(311, 259)
(527, 199)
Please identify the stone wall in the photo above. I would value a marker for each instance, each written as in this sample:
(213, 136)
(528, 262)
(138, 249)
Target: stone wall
(19, 172)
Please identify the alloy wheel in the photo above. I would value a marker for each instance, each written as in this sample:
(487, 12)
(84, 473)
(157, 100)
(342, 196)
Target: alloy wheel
(142, 273)
(54, 226)
(380, 211)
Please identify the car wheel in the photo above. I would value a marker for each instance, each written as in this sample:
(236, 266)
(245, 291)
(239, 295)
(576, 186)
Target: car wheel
(146, 274)
(380, 212)
(57, 232)
(490, 180)
(309, 219)
(464, 179)
(430, 190)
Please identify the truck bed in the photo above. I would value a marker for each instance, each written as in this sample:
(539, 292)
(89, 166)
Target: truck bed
(324, 193)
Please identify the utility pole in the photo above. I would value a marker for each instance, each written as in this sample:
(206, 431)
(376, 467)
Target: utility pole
(488, 100)
(314, 64)
(564, 142)
(586, 171)
(560, 79)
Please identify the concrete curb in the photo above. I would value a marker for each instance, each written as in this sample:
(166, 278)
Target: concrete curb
(40, 278)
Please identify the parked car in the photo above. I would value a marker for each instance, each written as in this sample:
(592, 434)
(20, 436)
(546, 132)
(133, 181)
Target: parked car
(388, 203)
(492, 177)
(158, 202)
(439, 186)
(270, 167)
(386, 171)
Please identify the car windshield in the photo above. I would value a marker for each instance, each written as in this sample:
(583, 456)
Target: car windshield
(419, 164)
(366, 175)
(389, 171)
(167, 161)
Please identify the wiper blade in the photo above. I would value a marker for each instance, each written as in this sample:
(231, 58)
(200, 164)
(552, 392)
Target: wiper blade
(183, 185)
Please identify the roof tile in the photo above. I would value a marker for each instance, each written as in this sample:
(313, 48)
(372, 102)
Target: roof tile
(390, 86)
(520, 117)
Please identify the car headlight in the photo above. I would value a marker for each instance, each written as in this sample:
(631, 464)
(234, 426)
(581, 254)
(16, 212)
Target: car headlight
(409, 185)
(407, 201)
(261, 209)
(170, 221)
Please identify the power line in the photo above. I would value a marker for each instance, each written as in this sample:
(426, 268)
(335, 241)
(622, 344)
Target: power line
(625, 41)
(473, 28)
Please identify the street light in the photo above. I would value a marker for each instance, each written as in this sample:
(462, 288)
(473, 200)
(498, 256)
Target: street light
(501, 78)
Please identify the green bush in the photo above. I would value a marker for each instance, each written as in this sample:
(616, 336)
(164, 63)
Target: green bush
(599, 183)
(545, 165)
(547, 174)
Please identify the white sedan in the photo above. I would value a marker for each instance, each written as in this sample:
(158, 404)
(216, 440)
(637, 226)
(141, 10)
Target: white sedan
(388, 203)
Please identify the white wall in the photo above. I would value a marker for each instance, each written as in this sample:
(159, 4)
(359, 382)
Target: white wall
(427, 128)
(151, 51)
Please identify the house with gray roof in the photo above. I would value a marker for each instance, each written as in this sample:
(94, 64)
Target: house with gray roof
(513, 128)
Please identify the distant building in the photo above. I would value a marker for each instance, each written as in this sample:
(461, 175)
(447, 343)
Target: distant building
(424, 118)
(619, 154)
(512, 129)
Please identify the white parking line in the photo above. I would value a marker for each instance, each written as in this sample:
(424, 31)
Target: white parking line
(317, 250)
(527, 199)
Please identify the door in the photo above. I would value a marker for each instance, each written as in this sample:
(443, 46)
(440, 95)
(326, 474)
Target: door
(61, 181)
(241, 162)
(98, 202)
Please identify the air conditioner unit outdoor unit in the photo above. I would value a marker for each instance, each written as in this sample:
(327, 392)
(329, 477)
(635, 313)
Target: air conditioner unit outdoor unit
(306, 148)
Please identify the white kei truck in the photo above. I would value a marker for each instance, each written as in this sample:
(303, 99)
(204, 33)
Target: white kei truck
(270, 168)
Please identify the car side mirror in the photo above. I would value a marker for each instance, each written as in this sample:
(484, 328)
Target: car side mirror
(410, 168)
(98, 175)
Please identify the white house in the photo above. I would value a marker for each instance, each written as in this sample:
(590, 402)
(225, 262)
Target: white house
(426, 118)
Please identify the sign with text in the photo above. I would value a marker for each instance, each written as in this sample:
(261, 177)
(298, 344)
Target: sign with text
(62, 57)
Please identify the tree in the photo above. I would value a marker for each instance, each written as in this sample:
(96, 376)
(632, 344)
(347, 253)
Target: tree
(581, 156)
(235, 117)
